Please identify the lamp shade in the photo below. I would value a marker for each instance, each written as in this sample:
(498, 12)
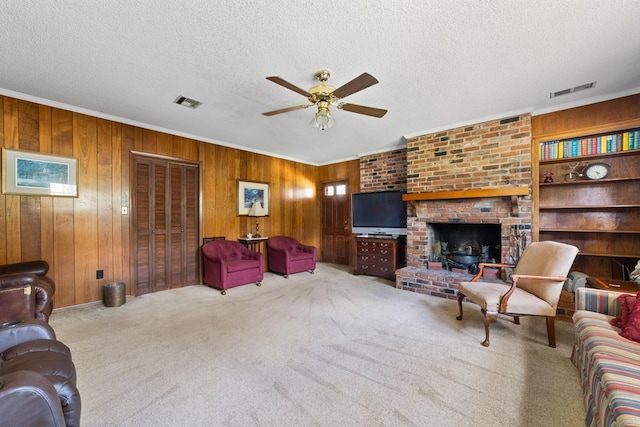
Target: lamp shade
(256, 209)
(323, 120)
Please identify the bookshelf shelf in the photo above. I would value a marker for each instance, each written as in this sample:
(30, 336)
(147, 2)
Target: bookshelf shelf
(610, 255)
(586, 181)
(556, 207)
(594, 157)
(569, 230)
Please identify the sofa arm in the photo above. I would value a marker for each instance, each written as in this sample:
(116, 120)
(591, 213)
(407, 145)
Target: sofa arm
(13, 334)
(42, 286)
(28, 398)
(598, 301)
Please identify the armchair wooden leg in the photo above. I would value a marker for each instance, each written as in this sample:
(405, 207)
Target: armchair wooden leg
(551, 331)
(460, 298)
(516, 320)
(488, 317)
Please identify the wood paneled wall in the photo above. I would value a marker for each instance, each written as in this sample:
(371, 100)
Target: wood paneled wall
(592, 118)
(78, 236)
(349, 171)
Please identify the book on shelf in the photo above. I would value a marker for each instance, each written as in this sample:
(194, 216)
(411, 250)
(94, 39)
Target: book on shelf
(590, 145)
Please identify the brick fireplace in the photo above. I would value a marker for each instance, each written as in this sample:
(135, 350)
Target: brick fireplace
(479, 174)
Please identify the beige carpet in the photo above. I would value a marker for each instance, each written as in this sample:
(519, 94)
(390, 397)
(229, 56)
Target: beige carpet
(329, 349)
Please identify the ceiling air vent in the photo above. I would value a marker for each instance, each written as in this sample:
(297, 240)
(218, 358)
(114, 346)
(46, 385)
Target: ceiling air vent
(187, 102)
(509, 120)
(573, 89)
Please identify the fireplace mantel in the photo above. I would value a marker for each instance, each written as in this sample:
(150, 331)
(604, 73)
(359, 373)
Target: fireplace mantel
(468, 194)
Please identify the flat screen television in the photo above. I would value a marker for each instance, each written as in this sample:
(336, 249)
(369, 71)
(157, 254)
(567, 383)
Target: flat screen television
(379, 213)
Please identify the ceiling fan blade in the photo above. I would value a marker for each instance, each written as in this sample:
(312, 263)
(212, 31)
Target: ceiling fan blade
(363, 81)
(286, 110)
(283, 82)
(361, 109)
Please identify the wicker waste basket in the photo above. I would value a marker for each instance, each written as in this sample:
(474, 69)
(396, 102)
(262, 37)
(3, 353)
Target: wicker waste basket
(114, 294)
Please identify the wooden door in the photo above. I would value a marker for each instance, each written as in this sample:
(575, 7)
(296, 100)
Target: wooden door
(183, 256)
(165, 215)
(142, 209)
(336, 228)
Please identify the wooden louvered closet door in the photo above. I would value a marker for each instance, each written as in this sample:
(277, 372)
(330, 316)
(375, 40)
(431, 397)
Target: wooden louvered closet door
(165, 216)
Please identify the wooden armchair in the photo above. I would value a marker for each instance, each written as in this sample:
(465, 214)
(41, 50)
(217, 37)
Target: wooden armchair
(534, 290)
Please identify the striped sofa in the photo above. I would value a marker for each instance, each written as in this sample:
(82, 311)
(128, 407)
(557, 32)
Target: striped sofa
(608, 364)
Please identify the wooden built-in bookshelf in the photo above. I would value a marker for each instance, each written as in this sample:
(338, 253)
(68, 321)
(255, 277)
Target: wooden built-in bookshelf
(601, 217)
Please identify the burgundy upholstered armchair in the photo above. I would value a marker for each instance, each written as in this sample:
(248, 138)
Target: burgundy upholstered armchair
(287, 256)
(25, 291)
(228, 264)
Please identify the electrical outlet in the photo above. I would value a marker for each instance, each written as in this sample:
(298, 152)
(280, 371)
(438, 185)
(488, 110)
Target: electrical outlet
(99, 274)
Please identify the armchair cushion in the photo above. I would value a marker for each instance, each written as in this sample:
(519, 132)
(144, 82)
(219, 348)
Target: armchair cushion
(287, 255)
(489, 295)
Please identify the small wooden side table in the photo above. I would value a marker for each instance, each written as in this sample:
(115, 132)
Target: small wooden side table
(613, 285)
(253, 243)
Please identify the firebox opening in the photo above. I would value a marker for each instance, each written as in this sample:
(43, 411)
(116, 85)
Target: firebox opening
(464, 245)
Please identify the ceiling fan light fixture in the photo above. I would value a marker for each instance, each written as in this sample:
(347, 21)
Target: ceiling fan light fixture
(323, 96)
(323, 120)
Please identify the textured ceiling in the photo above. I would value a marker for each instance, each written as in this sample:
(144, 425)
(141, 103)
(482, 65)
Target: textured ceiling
(440, 64)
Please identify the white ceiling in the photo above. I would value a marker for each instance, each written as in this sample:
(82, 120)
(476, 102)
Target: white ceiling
(440, 64)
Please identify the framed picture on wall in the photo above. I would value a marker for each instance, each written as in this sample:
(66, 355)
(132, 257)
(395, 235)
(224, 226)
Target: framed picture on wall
(37, 174)
(250, 192)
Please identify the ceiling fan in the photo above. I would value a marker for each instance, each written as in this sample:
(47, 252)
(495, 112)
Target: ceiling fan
(324, 96)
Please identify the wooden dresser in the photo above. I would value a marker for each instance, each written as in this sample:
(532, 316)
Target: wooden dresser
(380, 256)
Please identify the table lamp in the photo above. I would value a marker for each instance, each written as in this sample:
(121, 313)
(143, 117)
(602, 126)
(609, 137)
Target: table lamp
(257, 211)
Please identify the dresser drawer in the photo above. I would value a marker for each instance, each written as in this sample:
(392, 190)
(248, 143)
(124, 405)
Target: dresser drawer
(375, 270)
(374, 244)
(375, 248)
(374, 259)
